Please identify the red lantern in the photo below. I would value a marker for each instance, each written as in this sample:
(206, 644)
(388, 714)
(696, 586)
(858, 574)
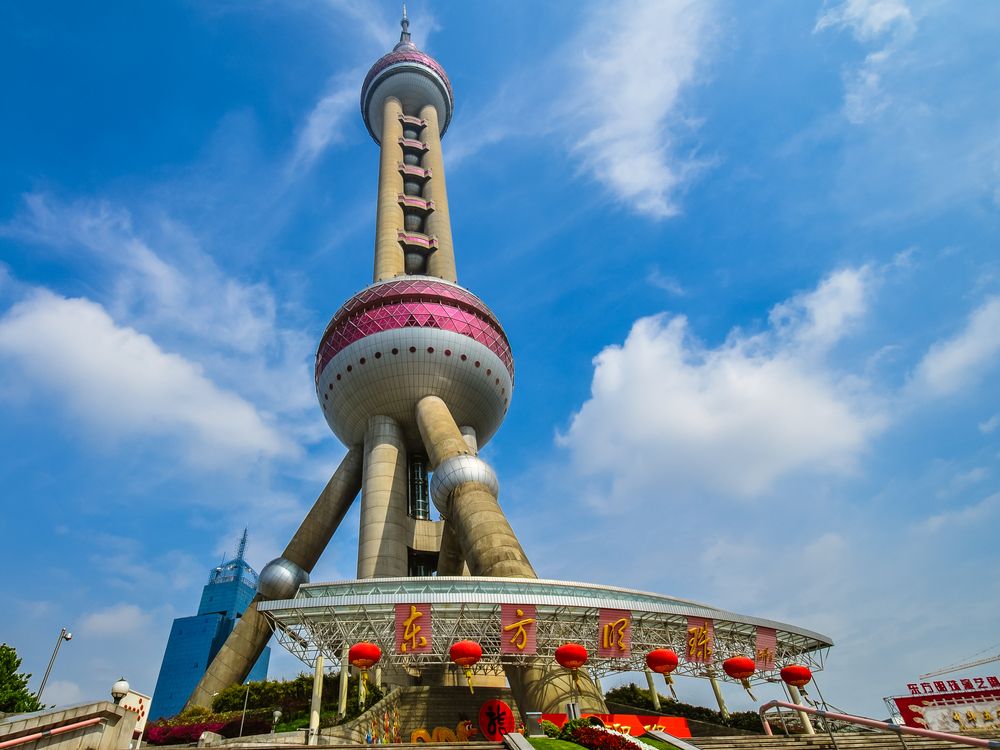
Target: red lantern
(572, 656)
(362, 656)
(796, 675)
(663, 661)
(740, 668)
(466, 654)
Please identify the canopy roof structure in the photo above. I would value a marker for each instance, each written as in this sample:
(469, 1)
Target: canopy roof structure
(324, 617)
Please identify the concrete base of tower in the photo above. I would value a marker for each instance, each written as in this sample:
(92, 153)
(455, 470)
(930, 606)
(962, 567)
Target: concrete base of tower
(548, 688)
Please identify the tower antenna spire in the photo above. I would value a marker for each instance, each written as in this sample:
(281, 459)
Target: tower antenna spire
(404, 36)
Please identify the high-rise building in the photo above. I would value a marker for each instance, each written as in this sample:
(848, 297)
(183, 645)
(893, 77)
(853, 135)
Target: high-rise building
(194, 641)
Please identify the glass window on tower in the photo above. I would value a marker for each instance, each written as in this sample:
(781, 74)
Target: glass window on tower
(419, 505)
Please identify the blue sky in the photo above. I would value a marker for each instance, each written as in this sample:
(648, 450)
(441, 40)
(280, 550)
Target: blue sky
(746, 255)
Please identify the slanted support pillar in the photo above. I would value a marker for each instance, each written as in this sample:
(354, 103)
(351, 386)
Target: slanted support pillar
(718, 696)
(490, 548)
(653, 695)
(803, 716)
(345, 675)
(317, 701)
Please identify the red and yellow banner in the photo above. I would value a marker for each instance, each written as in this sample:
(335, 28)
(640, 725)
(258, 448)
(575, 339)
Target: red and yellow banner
(698, 647)
(767, 642)
(518, 627)
(614, 634)
(413, 629)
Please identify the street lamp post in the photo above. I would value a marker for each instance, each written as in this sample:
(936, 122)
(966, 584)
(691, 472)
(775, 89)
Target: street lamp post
(64, 635)
(277, 716)
(119, 690)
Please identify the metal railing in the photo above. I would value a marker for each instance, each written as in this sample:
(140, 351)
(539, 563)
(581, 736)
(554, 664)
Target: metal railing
(50, 732)
(886, 726)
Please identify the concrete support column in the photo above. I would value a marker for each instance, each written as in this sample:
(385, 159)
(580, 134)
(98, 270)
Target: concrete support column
(490, 548)
(317, 701)
(450, 559)
(803, 716)
(441, 262)
(389, 260)
(382, 539)
(718, 696)
(245, 643)
(345, 674)
(653, 695)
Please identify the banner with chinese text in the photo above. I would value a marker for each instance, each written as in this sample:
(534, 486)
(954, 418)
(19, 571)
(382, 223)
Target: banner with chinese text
(951, 712)
(413, 629)
(518, 625)
(698, 647)
(767, 642)
(614, 634)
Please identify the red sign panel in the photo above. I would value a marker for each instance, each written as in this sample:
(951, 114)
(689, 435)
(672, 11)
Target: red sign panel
(518, 625)
(614, 636)
(495, 720)
(951, 712)
(698, 647)
(413, 628)
(953, 686)
(767, 642)
(632, 724)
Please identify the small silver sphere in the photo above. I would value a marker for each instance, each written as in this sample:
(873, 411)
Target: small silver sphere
(458, 470)
(280, 579)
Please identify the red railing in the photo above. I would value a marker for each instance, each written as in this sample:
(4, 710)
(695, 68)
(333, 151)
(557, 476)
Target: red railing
(886, 726)
(49, 732)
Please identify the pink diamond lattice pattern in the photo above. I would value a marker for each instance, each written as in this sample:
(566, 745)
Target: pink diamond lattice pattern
(406, 55)
(413, 303)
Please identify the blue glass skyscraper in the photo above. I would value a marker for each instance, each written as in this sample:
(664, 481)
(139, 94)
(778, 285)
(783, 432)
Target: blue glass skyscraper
(194, 641)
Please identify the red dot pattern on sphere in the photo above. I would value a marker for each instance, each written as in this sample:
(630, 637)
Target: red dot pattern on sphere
(796, 675)
(662, 660)
(571, 655)
(363, 655)
(466, 653)
(413, 303)
(739, 667)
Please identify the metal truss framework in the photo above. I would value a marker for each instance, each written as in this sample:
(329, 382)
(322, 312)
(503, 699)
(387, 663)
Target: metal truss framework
(323, 617)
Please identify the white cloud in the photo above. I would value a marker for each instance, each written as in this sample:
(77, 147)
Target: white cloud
(116, 620)
(667, 410)
(119, 381)
(867, 19)
(970, 514)
(324, 125)
(961, 360)
(663, 281)
(631, 65)
(990, 424)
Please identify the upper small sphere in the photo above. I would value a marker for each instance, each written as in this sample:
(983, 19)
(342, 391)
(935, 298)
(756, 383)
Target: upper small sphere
(413, 77)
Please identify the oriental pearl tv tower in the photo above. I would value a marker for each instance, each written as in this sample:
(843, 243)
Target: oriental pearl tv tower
(414, 374)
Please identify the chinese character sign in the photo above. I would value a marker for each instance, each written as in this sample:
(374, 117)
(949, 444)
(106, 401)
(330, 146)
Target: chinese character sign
(518, 624)
(614, 634)
(495, 720)
(698, 646)
(767, 642)
(413, 628)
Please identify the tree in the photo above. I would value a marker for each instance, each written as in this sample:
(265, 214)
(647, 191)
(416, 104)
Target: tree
(15, 698)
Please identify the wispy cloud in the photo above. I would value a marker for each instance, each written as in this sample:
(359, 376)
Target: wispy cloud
(964, 358)
(888, 22)
(323, 125)
(632, 63)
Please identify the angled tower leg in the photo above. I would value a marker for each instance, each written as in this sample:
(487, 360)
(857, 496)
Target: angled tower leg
(244, 645)
(465, 487)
